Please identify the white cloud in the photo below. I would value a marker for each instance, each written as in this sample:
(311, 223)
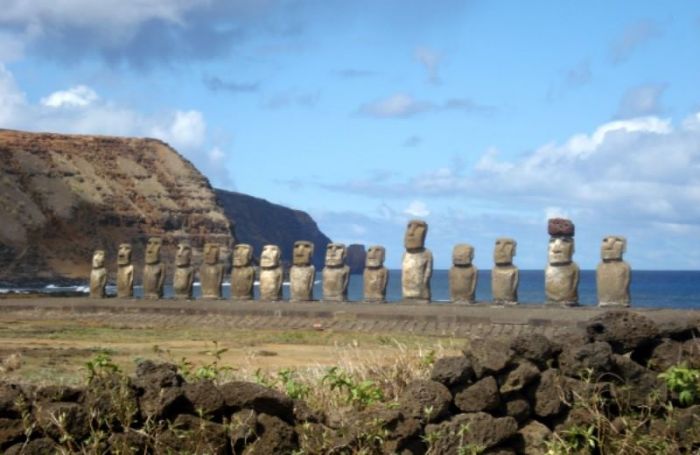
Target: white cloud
(417, 208)
(397, 105)
(78, 96)
(188, 129)
(430, 59)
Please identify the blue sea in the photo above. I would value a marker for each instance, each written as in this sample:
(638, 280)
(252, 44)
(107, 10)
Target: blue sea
(649, 289)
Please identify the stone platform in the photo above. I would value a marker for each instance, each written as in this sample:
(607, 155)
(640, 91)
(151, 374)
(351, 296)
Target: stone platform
(436, 319)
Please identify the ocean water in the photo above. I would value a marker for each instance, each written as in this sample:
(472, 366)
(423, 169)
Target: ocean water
(649, 289)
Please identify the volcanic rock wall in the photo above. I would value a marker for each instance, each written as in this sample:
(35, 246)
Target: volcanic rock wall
(62, 196)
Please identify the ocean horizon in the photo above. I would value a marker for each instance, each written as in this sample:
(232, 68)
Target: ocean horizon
(649, 288)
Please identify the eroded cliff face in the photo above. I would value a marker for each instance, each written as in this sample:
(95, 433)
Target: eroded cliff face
(63, 196)
(260, 222)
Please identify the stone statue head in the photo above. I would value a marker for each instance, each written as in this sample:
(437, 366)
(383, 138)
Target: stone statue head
(462, 254)
(375, 256)
(242, 255)
(415, 235)
(561, 250)
(504, 251)
(335, 254)
(153, 250)
(613, 247)
(98, 259)
(183, 257)
(270, 257)
(124, 254)
(211, 253)
(303, 252)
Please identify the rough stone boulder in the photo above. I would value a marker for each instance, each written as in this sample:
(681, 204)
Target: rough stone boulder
(248, 395)
(488, 356)
(130, 441)
(151, 375)
(519, 377)
(536, 348)
(517, 407)
(11, 431)
(274, 436)
(51, 393)
(10, 396)
(550, 395)
(477, 429)
(63, 419)
(640, 386)
(625, 331)
(452, 371)
(665, 355)
(534, 436)
(426, 400)
(560, 227)
(481, 396)
(590, 359)
(190, 434)
(205, 398)
(39, 446)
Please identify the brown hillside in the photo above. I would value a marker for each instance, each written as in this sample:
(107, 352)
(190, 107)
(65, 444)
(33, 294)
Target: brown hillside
(63, 196)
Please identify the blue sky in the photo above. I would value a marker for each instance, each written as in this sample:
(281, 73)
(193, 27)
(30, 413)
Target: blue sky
(483, 118)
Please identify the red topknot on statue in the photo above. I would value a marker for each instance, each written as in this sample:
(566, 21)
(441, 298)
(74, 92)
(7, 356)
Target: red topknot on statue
(560, 227)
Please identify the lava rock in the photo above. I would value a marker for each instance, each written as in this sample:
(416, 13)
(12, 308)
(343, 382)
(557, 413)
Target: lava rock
(560, 227)
(550, 395)
(534, 436)
(481, 429)
(517, 407)
(248, 395)
(426, 400)
(274, 436)
(40, 446)
(665, 355)
(481, 396)
(74, 420)
(202, 436)
(522, 375)
(10, 396)
(488, 356)
(624, 330)
(536, 348)
(452, 371)
(640, 385)
(580, 361)
(11, 431)
(205, 398)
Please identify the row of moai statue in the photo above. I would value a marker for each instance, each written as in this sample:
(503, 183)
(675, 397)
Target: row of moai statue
(561, 274)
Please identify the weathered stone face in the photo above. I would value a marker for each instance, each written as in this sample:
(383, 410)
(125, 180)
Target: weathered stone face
(335, 255)
(242, 255)
(124, 254)
(153, 250)
(183, 257)
(98, 259)
(375, 257)
(561, 250)
(462, 254)
(504, 251)
(303, 252)
(613, 247)
(270, 257)
(415, 235)
(211, 253)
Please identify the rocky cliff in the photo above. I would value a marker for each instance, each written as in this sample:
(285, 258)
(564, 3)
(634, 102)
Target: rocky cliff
(63, 196)
(259, 222)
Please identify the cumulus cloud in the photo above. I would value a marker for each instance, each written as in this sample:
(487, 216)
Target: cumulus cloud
(417, 208)
(78, 96)
(430, 59)
(633, 37)
(641, 101)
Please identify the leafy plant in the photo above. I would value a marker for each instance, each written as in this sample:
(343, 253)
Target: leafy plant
(292, 386)
(360, 393)
(100, 365)
(684, 381)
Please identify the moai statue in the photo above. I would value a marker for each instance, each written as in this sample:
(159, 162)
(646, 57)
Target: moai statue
(211, 273)
(463, 275)
(561, 276)
(613, 274)
(417, 263)
(336, 274)
(153, 270)
(98, 275)
(125, 272)
(184, 272)
(504, 275)
(303, 273)
(271, 273)
(242, 273)
(375, 276)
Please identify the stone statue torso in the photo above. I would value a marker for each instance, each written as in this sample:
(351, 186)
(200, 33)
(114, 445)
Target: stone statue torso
(301, 279)
(416, 270)
(153, 280)
(463, 284)
(98, 281)
(335, 283)
(613, 283)
(561, 284)
(210, 277)
(125, 281)
(182, 282)
(374, 284)
(242, 280)
(504, 284)
(271, 284)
